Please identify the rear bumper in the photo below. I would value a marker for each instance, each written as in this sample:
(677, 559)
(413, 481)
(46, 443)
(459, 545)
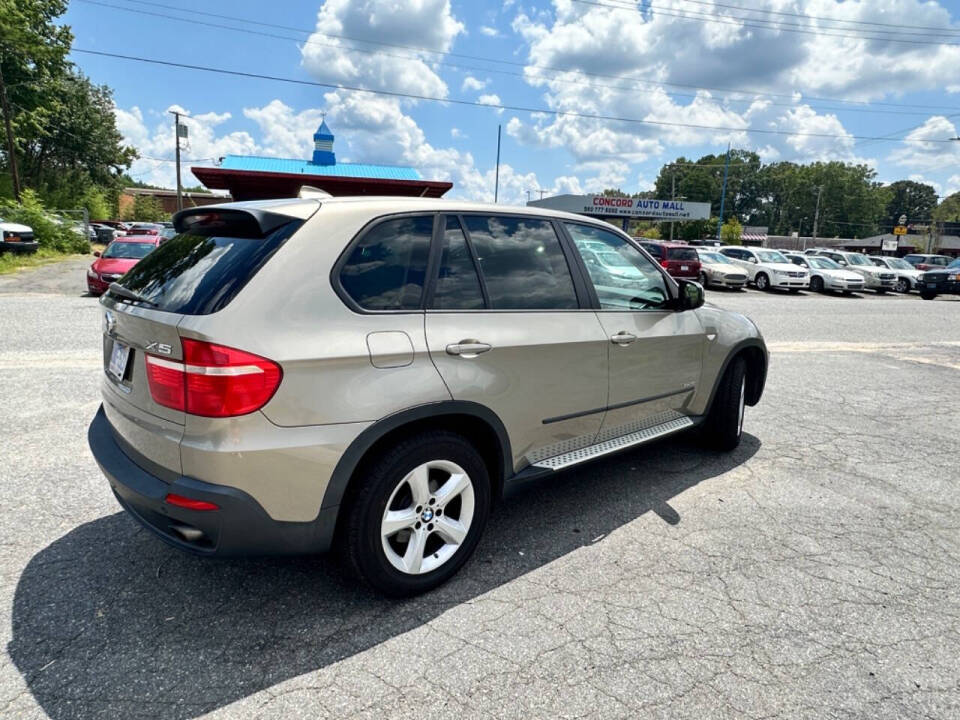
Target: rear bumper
(240, 527)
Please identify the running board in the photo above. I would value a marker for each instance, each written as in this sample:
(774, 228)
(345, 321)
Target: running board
(558, 462)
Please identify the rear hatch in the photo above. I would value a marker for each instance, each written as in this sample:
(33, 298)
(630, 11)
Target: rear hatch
(682, 262)
(198, 272)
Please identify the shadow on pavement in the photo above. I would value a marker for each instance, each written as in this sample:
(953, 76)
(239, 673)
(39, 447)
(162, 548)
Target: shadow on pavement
(110, 622)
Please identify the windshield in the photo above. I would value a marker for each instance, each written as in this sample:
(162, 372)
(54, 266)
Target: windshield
(715, 258)
(128, 250)
(822, 263)
(899, 264)
(955, 265)
(771, 256)
(858, 259)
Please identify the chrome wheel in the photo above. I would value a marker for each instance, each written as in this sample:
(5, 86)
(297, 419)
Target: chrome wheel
(903, 285)
(743, 389)
(427, 517)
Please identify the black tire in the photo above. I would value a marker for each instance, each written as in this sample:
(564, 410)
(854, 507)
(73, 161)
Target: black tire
(724, 424)
(928, 295)
(703, 280)
(360, 540)
(762, 282)
(795, 291)
(881, 291)
(816, 284)
(903, 285)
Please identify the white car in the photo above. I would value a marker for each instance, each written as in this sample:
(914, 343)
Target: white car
(16, 238)
(907, 274)
(825, 274)
(876, 278)
(768, 269)
(717, 269)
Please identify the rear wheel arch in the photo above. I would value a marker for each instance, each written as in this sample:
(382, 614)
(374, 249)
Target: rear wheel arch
(477, 424)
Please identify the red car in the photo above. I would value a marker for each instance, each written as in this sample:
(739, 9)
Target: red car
(120, 255)
(146, 228)
(679, 260)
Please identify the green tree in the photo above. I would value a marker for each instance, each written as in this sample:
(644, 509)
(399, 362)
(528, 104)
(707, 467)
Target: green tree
(915, 200)
(949, 209)
(731, 232)
(97, 205)
(50, 233)
(147, 209)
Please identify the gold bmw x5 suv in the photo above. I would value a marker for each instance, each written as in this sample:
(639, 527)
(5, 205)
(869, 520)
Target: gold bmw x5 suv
(370, 374)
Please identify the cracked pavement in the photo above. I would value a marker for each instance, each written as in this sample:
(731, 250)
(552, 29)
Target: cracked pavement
(814, 572)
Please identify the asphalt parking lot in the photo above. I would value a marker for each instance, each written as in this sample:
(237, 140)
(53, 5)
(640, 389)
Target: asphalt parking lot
(813, 573)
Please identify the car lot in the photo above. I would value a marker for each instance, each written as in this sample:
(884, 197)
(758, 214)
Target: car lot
(812, 573)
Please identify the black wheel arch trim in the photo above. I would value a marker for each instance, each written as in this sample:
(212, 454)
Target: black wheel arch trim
(355, 453)
(755, 384)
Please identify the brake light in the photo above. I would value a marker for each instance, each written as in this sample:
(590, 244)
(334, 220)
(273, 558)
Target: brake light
(213, 380)
(665, 263)
(189, 503)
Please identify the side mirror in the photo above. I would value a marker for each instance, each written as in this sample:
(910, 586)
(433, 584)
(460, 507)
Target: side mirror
(752, 259)
(691, 295)
(96, 253)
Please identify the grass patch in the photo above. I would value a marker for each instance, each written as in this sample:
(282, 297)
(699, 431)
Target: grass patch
(14, 262)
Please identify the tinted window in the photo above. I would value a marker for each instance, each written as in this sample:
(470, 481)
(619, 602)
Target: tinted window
(522, 263)
(198, 274)
(682, 254)
(622, 275)
(387, 266)
(458, 287)
(653, 250)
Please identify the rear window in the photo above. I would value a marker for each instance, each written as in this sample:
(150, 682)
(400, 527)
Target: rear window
(198, 274)
(682, 254)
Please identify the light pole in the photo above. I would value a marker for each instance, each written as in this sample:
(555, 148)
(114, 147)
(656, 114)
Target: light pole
(800, 233)
(816, 216)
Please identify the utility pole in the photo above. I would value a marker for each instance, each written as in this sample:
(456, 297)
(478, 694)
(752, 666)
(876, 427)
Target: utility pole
(496, 182)
(800, 234)
(673, 196)
(816, 216)
(176, 140)
(542, 192)
(723, 192)
(8, 124)
(528, 196)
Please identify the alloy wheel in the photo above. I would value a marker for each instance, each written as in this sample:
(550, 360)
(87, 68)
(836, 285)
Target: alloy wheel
(427, 517)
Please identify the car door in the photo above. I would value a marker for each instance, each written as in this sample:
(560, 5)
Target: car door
(509, 327)
(655, 352)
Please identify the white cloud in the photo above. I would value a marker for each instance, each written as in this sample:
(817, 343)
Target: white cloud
(491, 99)
(952, 186)
(286, 133)
(489, 31)
(457, 133)
(472, 83)
(924, 148)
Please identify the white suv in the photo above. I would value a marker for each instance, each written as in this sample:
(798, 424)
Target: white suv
(768, 268)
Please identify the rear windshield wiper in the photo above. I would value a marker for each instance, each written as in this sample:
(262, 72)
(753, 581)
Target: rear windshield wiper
(130, 294)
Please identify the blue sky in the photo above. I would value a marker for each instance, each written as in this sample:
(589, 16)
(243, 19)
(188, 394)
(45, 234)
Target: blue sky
(667, 61)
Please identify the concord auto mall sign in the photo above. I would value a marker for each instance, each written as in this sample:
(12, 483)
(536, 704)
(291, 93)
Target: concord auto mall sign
(603, 206)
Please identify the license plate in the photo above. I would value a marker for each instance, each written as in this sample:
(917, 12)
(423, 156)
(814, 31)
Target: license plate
(684, 267)
(931, 285)
(118, 360)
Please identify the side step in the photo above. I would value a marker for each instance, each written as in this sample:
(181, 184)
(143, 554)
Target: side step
(558, 462)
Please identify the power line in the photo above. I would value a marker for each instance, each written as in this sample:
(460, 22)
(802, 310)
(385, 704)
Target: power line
(526, 67)
(473, 103)
(743, 22)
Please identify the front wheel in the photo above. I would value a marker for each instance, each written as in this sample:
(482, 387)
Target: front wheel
(703, 279)
(816, 284)
(928, 295)
(724, 424)
(762, 281)
(903, 285)
(881, 291)
(417, 514)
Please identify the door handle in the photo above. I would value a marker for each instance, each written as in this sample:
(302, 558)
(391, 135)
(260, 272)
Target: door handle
(468, 348)
(622, 338)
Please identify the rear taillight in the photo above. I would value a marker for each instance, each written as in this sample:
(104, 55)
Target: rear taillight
(665, 263)
(213, 380)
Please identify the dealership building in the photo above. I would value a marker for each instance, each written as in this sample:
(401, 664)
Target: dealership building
(249, 177)
(625, 209)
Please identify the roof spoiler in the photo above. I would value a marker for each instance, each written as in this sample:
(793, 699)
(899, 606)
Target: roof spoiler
(231, 222)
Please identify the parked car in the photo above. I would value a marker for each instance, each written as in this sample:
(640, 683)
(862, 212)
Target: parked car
(167, 233)
(907, 274)
(118, 257)
(369, 404)
(880, 280)
(927, 262)
(825, 274)
(942, 281)
(717, 269)
(105, 233)
(145, 229)
(768, 269)
(118, 225)
(17, 238)
(679, 259)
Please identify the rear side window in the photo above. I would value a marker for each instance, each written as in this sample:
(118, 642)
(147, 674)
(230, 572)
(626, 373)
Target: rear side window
(196, 273)
(386, 268)
(682, 254)
(654, 250)
(458, 287)
(523, 265)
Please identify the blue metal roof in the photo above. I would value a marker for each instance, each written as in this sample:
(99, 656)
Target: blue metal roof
(304, 167)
